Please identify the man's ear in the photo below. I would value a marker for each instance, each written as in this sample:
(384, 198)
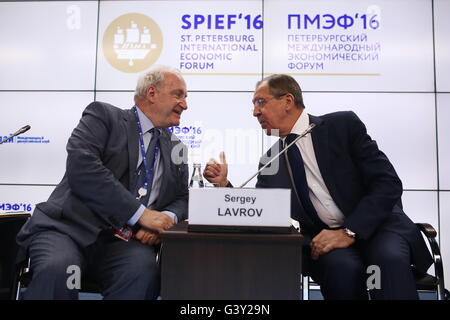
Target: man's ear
(289, 102)
(151, 93)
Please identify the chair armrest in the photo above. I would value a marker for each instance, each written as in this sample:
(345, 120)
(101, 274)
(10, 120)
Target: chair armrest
(427, 230)
(431, 234)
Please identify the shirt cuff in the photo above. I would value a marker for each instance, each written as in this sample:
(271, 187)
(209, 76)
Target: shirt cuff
(134, 219)
(172, 215)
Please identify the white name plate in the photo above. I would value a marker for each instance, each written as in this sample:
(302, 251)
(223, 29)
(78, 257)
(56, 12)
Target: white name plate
(239, 207)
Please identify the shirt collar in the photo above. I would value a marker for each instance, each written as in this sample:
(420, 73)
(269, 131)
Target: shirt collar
(146, 123)
(302, 123)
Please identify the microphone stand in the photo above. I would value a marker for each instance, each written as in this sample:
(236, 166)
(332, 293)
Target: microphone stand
(20, 131)
(304, 133)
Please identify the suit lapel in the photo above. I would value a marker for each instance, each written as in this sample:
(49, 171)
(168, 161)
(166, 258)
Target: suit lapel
(320, 140)
(133, 146)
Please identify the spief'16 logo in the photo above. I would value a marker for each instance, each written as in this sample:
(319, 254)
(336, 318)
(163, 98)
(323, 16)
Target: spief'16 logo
(132, 42)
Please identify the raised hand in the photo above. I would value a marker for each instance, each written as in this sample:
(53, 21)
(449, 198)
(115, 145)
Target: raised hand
(217, 172)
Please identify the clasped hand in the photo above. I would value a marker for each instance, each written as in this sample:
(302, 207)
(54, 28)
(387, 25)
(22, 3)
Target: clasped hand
(328, 240)
(153, 223)
(147, 237)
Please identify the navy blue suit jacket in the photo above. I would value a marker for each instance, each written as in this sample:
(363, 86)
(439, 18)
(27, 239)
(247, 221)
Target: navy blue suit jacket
(360, 179)
(94, 194)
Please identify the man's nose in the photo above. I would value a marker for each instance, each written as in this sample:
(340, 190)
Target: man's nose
(183, 103)
(256, 111)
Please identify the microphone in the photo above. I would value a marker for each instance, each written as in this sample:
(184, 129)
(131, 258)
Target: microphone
(304, 133)
(20, 131)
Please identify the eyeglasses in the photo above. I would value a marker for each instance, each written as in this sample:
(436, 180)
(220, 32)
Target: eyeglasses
(260, 102)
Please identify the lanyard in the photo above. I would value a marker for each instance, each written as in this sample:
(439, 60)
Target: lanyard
(142, 192)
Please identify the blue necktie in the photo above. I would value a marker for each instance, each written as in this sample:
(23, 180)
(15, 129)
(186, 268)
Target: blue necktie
(298, 171)
(140, 172)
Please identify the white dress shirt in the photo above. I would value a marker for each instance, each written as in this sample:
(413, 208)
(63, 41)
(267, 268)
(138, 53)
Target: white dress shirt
(320, 197)
(147, 125)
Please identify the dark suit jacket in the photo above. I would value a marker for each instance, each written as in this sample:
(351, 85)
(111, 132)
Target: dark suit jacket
(360, 179)
(94, 193)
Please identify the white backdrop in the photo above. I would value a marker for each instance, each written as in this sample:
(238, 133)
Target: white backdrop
(386, 60)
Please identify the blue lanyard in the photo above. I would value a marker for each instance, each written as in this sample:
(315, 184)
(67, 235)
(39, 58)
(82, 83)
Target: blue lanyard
(148, 172)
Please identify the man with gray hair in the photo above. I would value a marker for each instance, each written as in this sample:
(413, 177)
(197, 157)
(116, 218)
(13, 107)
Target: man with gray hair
(345, 194)
(121, 189)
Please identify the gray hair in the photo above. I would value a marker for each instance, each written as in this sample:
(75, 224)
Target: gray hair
(280, 84)
(153, 77)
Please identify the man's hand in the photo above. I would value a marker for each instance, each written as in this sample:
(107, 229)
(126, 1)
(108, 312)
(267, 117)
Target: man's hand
(147, 237)
(217, 173)
(155, 221)
(328, 240)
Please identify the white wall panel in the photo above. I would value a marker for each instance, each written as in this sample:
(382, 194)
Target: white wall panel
(443, 111)
(18, 199)
(39, 155)
(227, 124)
(421, 206)
(47, 45)
(403, 125)
(402, 62)
(442, 44)
(124, 100)
(220, 31)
